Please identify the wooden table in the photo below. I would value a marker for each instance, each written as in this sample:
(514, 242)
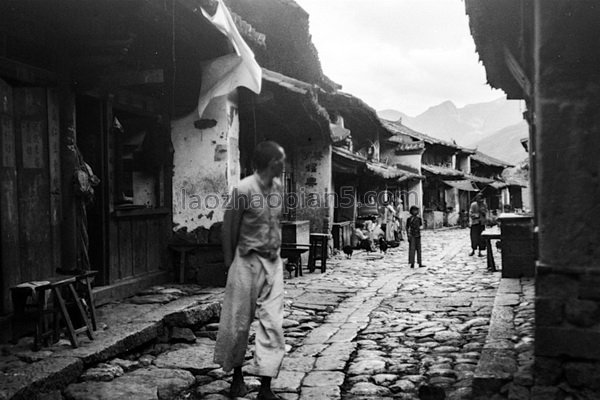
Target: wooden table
(488, 235)
(293, 252)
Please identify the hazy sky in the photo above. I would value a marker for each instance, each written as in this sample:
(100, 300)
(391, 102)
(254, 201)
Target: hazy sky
(399, 54)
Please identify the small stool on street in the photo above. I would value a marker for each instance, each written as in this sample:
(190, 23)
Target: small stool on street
(318, 251)
(58, 290)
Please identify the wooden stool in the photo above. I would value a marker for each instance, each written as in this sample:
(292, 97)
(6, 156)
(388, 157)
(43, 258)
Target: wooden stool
(318, 251)
(58, 289)
(85, 281)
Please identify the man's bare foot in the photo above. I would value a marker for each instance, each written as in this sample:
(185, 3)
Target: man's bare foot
(238, 386)
(265, 392)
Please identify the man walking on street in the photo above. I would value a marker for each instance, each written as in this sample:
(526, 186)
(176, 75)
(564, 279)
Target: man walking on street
(478, 215)
(251, 245)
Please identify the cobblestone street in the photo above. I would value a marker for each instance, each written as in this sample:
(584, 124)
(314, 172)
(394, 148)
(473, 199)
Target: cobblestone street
(369, 328)
(375, 328)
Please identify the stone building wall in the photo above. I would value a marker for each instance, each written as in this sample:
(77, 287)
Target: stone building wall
(567, 342)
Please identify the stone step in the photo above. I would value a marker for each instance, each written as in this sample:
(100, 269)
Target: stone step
(129, 326)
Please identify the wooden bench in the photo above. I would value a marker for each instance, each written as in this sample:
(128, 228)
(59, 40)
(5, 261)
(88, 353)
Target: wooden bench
(51, 298)
(183, 249)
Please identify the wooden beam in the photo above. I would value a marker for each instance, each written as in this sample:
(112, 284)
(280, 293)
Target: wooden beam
(132, 78)
(26, 73)
(517, 72)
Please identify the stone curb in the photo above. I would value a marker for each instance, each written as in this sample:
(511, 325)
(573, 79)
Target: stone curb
(497, 364)
(65, 365)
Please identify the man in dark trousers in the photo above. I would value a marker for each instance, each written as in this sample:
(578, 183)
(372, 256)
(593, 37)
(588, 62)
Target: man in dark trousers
(251, 245)
(478, 217)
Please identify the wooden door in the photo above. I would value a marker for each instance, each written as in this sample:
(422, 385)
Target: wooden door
(30, 172)
(33, 183)
(91, 141)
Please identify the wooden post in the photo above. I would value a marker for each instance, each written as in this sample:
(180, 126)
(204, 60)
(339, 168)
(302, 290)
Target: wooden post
(68, 157)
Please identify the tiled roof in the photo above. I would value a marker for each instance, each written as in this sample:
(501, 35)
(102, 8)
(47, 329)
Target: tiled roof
(479, 179)
(441, 170)
(467, 150)
(489, 160)
(399, 128)
(464, 185)
(348, 154)
(248, 32)
(391, 172)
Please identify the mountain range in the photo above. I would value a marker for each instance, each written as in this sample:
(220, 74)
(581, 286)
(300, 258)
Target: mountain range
(495, 127)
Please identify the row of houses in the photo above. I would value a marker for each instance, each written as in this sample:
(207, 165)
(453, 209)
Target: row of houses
(451, 175)
(161, 100)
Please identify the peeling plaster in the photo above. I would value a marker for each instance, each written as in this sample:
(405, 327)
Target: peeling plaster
(205, 164)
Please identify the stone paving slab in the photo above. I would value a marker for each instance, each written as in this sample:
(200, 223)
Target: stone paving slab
(126, 326)
(44, 375)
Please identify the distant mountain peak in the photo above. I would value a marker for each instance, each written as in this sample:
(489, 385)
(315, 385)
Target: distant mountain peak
(445, 105)
(467, 124)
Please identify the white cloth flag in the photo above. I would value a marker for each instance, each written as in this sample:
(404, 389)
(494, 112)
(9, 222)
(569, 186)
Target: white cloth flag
(222, 75)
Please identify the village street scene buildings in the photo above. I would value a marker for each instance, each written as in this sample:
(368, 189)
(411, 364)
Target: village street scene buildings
(124, 127)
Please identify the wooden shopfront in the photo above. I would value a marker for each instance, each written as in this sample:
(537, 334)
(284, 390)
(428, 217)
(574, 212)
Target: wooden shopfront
(93, 82)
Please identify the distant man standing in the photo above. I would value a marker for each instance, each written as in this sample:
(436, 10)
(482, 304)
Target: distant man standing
(251, 245)
(478, 216)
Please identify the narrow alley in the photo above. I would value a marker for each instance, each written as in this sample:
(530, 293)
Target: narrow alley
(191, 187)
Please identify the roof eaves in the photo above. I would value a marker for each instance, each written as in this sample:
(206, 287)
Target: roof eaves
(398, 127)
(489, 160)
(287, 82)
(441, 170)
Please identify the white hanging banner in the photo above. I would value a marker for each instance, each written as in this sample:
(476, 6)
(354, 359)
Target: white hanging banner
(222, 75)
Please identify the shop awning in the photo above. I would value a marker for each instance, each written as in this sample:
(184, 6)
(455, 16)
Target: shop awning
(498, 185)
(478, 179)
(465, 185)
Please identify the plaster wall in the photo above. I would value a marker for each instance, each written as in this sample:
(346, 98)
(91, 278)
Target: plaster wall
(313, 166)
(206, 164)
(452, 200)
(415, 194)
(463, 163)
